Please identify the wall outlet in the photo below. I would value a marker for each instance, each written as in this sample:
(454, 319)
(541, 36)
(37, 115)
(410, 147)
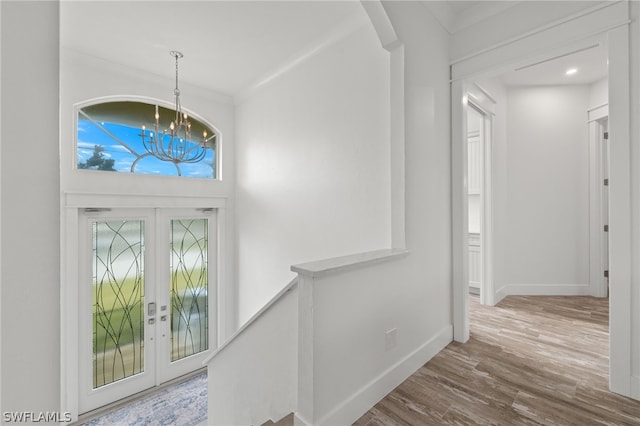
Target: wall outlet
(390, 339)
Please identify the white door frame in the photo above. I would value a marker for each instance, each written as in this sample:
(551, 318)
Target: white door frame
(463, 94)
(522, 52)
(598, 254)
(484, 104)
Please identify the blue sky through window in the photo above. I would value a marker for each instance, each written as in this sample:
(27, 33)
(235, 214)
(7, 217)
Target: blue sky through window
(90, 134)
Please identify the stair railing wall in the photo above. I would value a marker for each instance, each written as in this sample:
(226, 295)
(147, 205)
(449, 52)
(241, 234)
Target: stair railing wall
(316, 349)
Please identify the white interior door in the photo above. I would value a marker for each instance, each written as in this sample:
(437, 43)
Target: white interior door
(147, 280)
(604, 160)
(475, 183)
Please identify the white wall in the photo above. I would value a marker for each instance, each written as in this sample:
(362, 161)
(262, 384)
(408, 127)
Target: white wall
(422, 297)
(313, 165)
(599, 93)
(411, 294)
(547, 190)
(30, 208)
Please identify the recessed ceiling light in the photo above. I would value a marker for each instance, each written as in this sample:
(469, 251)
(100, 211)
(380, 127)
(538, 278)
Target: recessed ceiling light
(571, 71)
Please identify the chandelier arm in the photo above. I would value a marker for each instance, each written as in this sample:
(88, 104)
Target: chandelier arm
(140, 157)
(200, 154)
(174, 144)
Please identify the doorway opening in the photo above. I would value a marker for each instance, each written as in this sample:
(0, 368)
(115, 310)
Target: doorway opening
(478, 199)
(620, 350)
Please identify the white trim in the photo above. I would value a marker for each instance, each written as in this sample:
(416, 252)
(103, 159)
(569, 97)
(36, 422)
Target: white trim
(501, 293)
(486, 211)
(381, 24)
(321, 268)
(620, 263)
(541, 290)
(581, 31)
(597, 281)
(635, 387)
(105, 200)
(69, 301)
(544, 290)
(392, 43)
(459, 212)
(598, 113)
(397, 149)
(226, 296)
(363, 399)
(542, 29)
(486, 93)
(1, 410)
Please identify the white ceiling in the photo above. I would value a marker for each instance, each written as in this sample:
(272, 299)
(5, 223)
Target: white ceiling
(228, 45)
(456, 15)
(591, 66)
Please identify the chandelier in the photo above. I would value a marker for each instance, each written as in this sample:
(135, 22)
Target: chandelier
(174, 144)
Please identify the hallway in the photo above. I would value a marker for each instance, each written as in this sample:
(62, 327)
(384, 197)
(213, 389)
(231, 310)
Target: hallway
(539, 360)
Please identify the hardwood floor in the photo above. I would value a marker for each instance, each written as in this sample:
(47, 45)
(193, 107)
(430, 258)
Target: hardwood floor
(530, 360)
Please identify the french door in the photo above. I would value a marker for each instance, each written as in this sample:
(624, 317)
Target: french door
(147, 299)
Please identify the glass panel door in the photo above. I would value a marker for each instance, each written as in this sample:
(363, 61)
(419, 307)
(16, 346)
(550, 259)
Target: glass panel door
(147, 288)
(189, 287)
(118, 300)
(189, 291)
(116, 356)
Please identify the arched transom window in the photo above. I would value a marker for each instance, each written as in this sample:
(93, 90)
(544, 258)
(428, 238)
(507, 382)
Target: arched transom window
(138, 137)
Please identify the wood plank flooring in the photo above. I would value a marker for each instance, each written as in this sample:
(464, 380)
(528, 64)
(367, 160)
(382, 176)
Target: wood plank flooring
(530, 360)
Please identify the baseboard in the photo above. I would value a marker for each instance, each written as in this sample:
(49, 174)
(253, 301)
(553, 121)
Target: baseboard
(298, 420)
(635, 387)
(365, 398)
(500, 294)
(544, 290)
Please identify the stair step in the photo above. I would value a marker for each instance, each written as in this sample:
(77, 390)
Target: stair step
(285, 421)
